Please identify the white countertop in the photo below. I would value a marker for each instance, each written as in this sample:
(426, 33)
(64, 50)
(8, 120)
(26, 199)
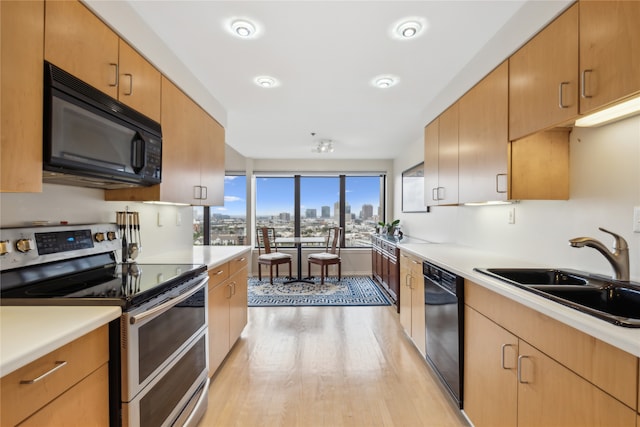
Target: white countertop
(212, 256)
(28, 333)
(461, 260)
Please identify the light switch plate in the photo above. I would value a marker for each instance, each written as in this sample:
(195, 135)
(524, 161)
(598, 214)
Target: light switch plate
(636, 219)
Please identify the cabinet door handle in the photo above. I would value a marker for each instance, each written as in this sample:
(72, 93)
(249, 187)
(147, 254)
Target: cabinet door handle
(115, 75)
(204, 193)
(498, 175)
(520, 380)
(441, 197)
(59, 364)
(502, 358)
(130, 85)
(583, 84)
(434, 194)
(560, 93)
(230, 291)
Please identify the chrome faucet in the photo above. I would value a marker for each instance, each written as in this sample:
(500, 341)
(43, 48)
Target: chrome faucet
(619, 258)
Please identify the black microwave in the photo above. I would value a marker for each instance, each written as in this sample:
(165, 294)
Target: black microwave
(92, 140)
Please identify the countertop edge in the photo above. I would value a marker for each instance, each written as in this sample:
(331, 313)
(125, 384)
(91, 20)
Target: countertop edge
(28, 333)
(461, 260)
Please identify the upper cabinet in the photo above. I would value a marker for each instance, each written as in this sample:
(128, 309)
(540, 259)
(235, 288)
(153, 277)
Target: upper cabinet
(483, 139)
(609, 52)
(441, 159)
(192, 155)
(21, 83)
(81, 44)
(543, 78)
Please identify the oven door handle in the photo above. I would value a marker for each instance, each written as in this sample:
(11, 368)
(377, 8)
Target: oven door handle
(167, 304)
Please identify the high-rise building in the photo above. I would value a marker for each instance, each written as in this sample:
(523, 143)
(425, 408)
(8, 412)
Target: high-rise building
(367, 211)
(284, 216)
(310, 213)
(326, 212)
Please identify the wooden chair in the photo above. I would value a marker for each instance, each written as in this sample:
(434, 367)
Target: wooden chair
(330, 256)
(268, 252)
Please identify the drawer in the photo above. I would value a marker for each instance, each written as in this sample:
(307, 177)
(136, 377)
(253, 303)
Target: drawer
(238, 264)
(51, 375)
(218, 275)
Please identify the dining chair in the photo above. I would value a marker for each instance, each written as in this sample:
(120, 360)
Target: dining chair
(331, 255)
(268, 252)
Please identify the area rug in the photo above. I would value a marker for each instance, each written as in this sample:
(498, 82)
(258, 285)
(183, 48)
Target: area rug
(349, 291)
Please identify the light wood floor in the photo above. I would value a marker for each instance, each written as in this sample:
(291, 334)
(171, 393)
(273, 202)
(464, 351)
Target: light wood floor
(326, 366)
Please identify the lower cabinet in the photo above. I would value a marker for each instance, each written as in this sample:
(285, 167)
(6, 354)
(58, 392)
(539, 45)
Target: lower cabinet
(385, 268)
(69, 386)
(510, 382)
(412, 300)
(227, 308)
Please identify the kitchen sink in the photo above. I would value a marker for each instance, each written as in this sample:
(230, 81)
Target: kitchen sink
(614, 301)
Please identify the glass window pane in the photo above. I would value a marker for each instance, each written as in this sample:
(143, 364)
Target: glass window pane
(319, 205)
(275, 204)
(229, 222)
(198, 225)
(363, 208)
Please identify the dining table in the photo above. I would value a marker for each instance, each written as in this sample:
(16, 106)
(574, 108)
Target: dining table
(298, 242)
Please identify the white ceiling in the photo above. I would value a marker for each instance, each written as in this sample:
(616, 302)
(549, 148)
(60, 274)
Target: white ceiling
(325, 55)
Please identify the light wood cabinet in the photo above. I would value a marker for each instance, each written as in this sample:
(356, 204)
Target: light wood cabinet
(543, 83)
(539, 166)
(441, 182)
(577, 379)
(80, 43)
(227, 308)
(483, 138)
(412, 300)
(490, 382)
(609, 46)
(69, 386)
(192, 155)
(21, 85)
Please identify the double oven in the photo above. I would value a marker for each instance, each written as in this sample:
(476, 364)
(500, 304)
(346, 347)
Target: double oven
(158, 347)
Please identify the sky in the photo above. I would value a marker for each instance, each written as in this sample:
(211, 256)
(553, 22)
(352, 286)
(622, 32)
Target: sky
(275, 195)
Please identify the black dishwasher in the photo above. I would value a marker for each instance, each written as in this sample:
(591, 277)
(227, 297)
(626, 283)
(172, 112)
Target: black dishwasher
(444, 319)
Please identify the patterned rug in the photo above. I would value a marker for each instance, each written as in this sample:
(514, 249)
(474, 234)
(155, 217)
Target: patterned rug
(350, 291)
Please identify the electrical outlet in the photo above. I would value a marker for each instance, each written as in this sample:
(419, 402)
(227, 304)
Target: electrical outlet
(636, 219)
(511, 218)
(160, 220)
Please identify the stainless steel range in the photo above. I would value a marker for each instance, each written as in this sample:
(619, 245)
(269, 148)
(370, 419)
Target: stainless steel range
(158, 348)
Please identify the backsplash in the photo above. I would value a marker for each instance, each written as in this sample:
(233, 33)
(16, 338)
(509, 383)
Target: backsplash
(78, 205)
(604, 188)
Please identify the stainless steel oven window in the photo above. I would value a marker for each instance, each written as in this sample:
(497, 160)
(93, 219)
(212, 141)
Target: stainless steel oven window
(149, 345)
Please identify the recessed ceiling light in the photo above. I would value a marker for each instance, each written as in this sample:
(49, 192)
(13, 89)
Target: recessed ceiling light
(384, 82)
(408, 28)
(266, 81)
(243, 28)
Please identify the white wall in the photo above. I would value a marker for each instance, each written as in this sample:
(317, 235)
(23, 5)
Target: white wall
(78, 205)
(604, 188)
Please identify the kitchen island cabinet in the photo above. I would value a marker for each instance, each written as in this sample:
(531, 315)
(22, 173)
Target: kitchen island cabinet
(22, 28)
(555, 374)
(227, 307)
(386, 269)
(68, 386)
(412, 315)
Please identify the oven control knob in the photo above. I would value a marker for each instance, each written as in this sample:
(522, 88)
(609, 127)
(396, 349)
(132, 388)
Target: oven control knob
(100, 237)
(111, 235)
(4, 247)
(23, 245)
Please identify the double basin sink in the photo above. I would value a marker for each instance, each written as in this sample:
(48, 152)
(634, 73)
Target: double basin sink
(614, 301)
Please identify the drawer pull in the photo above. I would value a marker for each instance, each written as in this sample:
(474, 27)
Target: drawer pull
(59, 364)
(219, 272)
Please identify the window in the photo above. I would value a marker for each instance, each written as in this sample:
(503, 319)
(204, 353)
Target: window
(312, 204)
(227, 225)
